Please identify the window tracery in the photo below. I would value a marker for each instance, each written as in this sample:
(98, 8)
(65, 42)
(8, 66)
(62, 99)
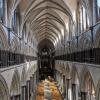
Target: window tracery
(83, 19)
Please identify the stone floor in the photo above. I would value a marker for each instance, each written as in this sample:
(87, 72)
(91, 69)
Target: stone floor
(47, 91)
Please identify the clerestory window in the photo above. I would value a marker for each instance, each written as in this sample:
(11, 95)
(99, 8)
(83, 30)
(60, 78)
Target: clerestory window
(14, 21)
(1, 10)
(83, 19)
(98, 8)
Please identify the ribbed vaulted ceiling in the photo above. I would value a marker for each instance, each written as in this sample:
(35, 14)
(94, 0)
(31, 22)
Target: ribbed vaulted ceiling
(47, 18)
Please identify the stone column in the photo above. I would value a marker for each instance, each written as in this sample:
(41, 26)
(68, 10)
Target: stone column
(95, 13)
(58, 77)
(28, 90)
(23, 93)
(30, 84)
(31, 87)
(70, 29)
(5, 12)
(86, 21)
(13, 98)
(35, 81)
(17, 97)
(77, 91)
(82, 20)
(37, 77)
(74, 91)
(83, 95)
(61, 82)
(64, 86)
(67, 88)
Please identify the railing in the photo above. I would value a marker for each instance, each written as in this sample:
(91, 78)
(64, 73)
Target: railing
(80, 41)
(87, 56)
(18, 66)
(8, 58)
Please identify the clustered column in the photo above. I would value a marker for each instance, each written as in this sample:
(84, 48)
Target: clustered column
(70, 91)
(15, 97)
(83, 95)
(27, 90)
(23, 93)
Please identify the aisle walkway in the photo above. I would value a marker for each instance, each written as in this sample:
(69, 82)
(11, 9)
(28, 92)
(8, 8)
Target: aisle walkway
(47, 91)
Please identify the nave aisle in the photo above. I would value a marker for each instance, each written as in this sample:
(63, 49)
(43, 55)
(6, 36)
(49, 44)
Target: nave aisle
(47, 91)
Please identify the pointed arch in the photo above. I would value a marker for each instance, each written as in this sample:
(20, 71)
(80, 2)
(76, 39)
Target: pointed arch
(3, 37)
(74, 75)
(23, 76)
(97, 38)
(87, 83)
(4, 91)
(15, 84)
(98, 91)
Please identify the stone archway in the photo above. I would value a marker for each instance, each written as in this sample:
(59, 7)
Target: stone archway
(24, 86)
(23, 76)
(75, 83)
(67, 82)
(97, 39)
(4, 92)
(3, 39)
(14, 45)
(98, 91)
(87, 86)
(15, 86)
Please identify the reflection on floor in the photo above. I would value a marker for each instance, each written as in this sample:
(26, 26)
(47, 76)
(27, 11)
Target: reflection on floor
(47, 91)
